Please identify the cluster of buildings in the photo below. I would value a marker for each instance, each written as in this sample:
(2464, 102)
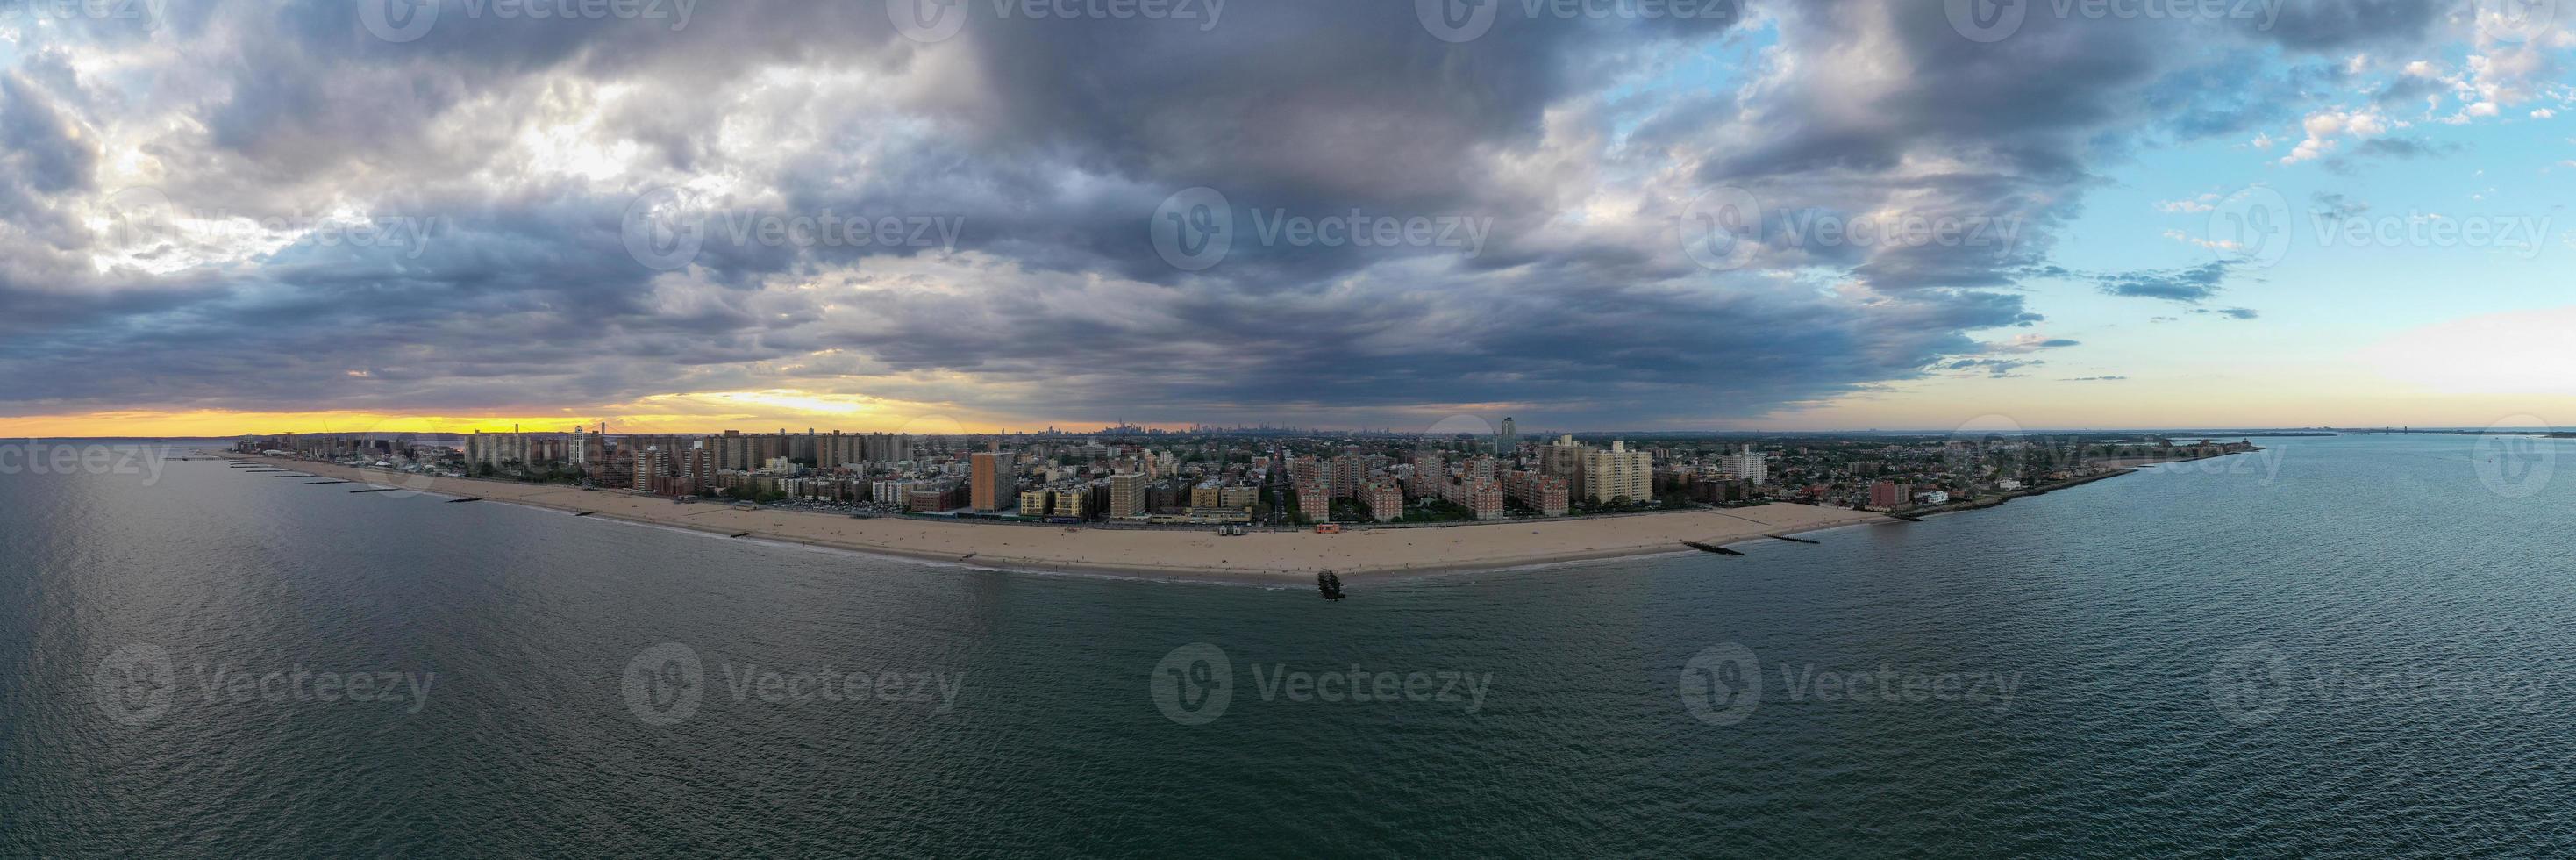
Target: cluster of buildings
(1264, 476)
(1261, 476)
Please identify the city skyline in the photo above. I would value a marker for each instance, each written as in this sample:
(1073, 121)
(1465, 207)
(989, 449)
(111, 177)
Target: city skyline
(1832, 216)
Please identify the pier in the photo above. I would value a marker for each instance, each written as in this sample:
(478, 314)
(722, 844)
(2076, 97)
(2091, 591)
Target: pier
(322, 483)
(1709, 547)
(377, 490)
(1793, 540)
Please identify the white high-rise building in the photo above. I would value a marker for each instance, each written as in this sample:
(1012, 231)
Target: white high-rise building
(1619, 473)
(1747, 465)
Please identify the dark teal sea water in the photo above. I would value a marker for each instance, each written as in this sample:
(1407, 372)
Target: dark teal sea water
(2352, 646)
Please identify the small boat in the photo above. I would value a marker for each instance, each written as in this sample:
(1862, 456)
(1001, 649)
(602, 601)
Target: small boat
(1329, 584)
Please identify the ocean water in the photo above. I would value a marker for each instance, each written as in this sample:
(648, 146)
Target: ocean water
(2360, 646)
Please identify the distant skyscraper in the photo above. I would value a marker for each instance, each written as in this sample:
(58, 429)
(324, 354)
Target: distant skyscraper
(1507, 441)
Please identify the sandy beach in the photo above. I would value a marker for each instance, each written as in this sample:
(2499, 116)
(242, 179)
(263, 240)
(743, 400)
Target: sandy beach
(1290, 557)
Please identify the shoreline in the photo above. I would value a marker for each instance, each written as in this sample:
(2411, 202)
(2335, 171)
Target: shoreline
(2124, 468)
(1289, 558)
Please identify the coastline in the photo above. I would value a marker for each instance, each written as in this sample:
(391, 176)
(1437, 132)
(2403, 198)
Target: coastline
(2121, 467)
(1290, 558)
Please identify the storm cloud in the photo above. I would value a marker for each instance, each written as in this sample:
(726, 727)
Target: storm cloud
(446, 210)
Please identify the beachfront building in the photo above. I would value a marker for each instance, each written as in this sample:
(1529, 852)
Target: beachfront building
(989, 480)
(1384, 499)
(1545, 494)
(1563, 459)
(1430, 478)
(1618, 473)
(1888, 494)
(1315, 501)
(1127, 495)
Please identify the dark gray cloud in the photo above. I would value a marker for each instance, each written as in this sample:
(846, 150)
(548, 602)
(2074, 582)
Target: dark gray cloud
(2391, 148)
(2339, 24)
(518, 146)
(2192, 285)
(2337, 207)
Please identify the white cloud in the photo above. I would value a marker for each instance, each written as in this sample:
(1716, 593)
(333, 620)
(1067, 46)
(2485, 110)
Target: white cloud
(2324, 127)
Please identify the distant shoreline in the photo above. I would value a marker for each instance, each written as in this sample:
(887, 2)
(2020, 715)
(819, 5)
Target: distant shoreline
(1289, 558)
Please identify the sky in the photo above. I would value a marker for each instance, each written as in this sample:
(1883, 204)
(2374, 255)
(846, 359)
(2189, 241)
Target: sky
(918, 215)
